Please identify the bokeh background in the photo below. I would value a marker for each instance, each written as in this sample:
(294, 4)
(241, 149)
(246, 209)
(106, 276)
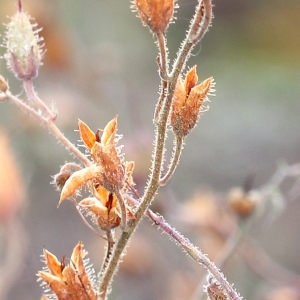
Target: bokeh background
(100, 61)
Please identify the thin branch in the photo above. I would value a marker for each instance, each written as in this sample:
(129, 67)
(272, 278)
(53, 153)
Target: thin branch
(31, 94)
(178, 142)
(52, 127)
(163, 66)
(194, 36)
(162, 97)
(191, 250)
(264, 266)
(163, 56)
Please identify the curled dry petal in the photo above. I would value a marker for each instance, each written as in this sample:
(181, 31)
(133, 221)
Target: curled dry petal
(78, 179)
(105, 208)
(53, 264)
(93, 205)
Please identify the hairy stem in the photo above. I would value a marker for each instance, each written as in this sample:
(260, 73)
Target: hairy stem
(163, 67)
(123, 209)
(178, 143)
(31, 94)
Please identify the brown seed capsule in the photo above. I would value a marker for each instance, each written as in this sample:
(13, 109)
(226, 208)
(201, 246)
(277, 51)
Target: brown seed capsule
(156, 14)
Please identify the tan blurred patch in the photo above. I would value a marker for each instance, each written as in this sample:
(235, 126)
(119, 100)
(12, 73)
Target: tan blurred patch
(283, 293)
(11, 189)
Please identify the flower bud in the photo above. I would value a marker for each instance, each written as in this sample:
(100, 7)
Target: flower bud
(156, 14)
(23, 51)
(188, 102)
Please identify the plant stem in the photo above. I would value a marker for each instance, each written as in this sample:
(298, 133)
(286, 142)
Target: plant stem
(162, 114)
(178, 143)
(123, 209)
(31, 94)
(163, 66)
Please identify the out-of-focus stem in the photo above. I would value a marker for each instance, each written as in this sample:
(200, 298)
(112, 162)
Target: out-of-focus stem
(52, 127)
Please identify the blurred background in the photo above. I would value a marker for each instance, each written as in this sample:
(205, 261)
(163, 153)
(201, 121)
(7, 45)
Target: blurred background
(100, 61)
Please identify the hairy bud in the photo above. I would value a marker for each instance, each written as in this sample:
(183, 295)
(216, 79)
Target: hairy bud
(23, 49)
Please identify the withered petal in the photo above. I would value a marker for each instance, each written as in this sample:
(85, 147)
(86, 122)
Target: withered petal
(53, 264)
(109, 131)
(86, 134)
(191, 79)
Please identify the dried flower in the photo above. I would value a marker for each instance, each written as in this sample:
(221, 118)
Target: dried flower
(72, 281)
(188, 102)
(108, 169)
(243, 204)
(23, 49)
(156, 14)
(104, 177)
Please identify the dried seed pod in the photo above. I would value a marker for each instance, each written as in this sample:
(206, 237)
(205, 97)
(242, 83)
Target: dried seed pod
(156, 14)
(243, 204)
(72, 281)
(188, 102)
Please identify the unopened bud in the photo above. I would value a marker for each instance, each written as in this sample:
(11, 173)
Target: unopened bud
(23, 49)
(156, 14)
(188, 102)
